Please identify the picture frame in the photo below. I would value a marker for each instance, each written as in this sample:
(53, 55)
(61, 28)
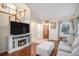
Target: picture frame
(66, 28)
(53, 25)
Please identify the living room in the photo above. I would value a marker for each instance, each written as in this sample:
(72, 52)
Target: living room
(39, 29)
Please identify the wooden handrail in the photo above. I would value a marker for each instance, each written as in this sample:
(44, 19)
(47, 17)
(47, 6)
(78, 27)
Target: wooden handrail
(15, 15)
(17, 18)
(19, 13)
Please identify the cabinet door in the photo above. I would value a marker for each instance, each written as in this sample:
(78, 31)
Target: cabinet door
(29, 39)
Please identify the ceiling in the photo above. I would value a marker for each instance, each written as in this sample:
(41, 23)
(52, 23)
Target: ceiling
(46, 11)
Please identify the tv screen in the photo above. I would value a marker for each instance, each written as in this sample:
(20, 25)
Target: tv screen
(25, 28)
(17, 28)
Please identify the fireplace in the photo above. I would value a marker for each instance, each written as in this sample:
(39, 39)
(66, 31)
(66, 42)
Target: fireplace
(21, 42)
(18, 42)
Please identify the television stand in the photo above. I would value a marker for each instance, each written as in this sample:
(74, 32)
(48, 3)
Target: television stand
(17, 42)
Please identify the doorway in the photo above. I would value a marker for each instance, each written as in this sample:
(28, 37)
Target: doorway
(46, 30)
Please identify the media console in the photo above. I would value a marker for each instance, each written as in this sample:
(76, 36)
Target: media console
(17, 42)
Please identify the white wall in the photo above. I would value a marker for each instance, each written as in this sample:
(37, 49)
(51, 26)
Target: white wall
(33, 30)
(53, 33)
(4, 29)
(39, 31)
(36, 31)
(36, 27)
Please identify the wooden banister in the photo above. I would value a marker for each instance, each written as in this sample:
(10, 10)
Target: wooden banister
(18, 19)
(15, 15)
(18, 13)
(21, 11)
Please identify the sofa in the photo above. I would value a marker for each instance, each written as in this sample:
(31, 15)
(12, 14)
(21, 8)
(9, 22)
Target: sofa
(75, 52)
(68, 48)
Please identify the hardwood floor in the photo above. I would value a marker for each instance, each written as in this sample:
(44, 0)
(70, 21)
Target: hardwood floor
(30, 51)
(54, 52)
(23, 52)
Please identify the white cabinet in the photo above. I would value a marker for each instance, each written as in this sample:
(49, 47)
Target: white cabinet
(17, 42)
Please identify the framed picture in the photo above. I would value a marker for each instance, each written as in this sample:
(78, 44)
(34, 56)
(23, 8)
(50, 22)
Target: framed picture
(53, 25)
(66, 28)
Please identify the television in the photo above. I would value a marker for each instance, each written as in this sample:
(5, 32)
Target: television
(17, 28)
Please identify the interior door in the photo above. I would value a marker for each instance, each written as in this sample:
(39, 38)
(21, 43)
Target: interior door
(45, 31)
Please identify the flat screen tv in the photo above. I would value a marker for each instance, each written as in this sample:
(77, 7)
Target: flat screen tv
(17, 28)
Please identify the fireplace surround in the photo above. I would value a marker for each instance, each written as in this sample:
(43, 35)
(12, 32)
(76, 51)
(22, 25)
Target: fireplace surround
(17, 42)
(21, 42)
